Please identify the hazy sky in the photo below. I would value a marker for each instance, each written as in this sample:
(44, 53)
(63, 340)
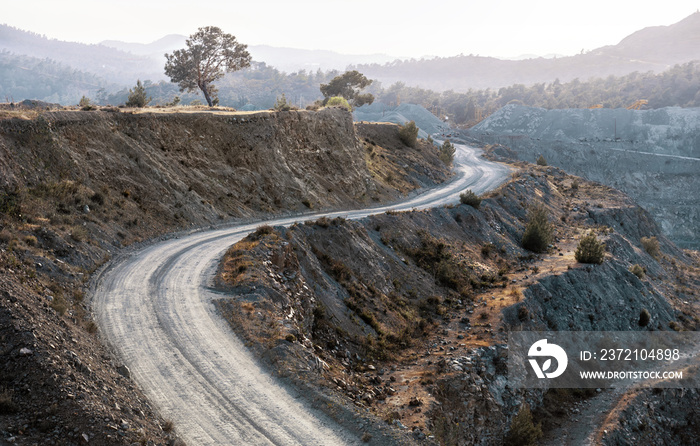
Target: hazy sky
(502, 28)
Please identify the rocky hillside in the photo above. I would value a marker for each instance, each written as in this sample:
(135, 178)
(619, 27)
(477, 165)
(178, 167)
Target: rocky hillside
(77, 186)
(653, 155)
(406, 314)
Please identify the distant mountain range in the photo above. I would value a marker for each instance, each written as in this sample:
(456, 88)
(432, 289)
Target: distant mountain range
(284, 59)
(114, 64)
(650, 49)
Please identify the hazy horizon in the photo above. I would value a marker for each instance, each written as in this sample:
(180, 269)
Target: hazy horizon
(505, 29)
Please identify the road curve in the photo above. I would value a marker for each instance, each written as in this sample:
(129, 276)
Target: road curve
(155, 308)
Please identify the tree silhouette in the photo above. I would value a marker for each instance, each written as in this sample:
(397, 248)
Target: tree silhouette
(210, 54)
(349, 85)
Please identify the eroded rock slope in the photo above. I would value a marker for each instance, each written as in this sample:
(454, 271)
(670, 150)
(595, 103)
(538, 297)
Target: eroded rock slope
(407, 313)
(76, 187)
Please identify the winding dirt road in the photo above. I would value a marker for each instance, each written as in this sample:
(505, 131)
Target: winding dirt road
(155, 308)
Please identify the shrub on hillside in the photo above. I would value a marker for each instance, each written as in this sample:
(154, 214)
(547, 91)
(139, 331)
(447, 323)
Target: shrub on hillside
(85, 104)
(541, 161)
(644, 318)
(651, 246)
(447, 152)
(637, 270)
(470, 198)
(408, 133)
(281, 104)
(138, 96)
(523, 431)
(538, 231)
(590, 250)
(338, 101)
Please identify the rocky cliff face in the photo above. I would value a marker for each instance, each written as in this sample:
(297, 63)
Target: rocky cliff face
(77, 186)
(199, 168)
(653, 155)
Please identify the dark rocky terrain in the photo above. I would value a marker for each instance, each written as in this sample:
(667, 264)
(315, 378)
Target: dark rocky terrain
(407, 314)
(76, 187)
(652, 155)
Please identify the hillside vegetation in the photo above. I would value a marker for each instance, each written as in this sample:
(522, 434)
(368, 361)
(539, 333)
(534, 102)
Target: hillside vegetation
(679, 86)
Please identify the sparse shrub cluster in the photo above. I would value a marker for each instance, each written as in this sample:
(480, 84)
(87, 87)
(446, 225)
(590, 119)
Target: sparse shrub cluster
(339, 101)
(282, 105)
(651, 246)
(10, 204)
(637, 270)
(590, 250)
(85, 104)
(470, 198)
(262, 230)
(433, 256)
(539, 232)
(523, 431)
(408, 133)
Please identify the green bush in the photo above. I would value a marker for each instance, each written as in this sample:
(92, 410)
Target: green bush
(541, 161)
(523, 431)
(538, 231)
(137, 96)
(590, 250)
(281, 104)
(470, 198)
(408, 133)
(338, 101)
(85, 104)
(447, 152)
(637, 270)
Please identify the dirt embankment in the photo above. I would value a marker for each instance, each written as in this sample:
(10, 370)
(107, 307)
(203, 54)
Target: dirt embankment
(652, 155)
(406, 313)
(75, 187)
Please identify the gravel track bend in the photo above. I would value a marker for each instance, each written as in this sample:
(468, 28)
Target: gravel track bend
(155, 308)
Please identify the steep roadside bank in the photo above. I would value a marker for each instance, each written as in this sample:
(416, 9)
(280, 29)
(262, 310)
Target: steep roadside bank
(157, 307)
(76, 187)
(652, 155)
(406, 314)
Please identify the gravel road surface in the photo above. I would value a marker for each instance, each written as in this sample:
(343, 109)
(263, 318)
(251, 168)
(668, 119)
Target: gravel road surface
(155, 308)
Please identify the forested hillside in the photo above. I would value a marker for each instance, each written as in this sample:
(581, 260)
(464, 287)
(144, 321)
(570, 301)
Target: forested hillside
(35, 67)
(109, 63)
(25, 77)
(679, 87)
